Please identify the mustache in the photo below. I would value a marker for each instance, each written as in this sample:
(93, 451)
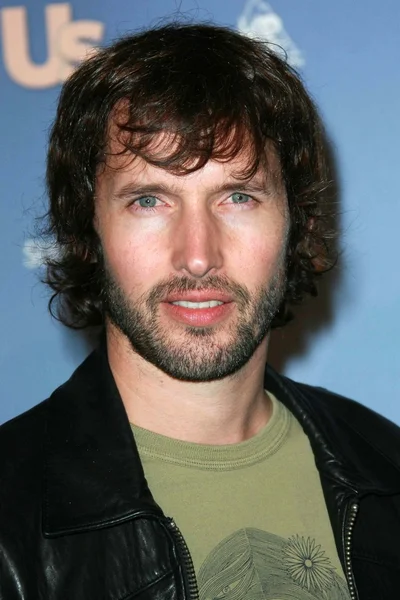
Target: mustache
(179, 285)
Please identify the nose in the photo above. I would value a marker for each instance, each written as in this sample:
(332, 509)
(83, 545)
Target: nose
(197, 243)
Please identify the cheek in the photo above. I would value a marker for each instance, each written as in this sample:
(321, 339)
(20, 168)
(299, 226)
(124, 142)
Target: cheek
(261, 251)
(263, 261)
(135, 257)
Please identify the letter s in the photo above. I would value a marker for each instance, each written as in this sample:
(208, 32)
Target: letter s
(76, 42)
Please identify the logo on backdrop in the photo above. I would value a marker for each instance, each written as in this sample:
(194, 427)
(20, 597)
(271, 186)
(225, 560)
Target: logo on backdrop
(259, 20)
(68, 42)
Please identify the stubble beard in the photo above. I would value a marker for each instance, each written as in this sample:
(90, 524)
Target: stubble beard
(195, 354)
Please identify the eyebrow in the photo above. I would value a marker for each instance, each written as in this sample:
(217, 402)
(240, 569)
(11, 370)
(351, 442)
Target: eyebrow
(160, 188)
(142, 190)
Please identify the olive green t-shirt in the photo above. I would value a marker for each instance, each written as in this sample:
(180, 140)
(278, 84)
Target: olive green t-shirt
(252, 514)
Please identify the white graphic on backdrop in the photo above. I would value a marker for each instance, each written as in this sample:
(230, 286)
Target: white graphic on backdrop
(68, 42)
(259, 20)
(36, 251)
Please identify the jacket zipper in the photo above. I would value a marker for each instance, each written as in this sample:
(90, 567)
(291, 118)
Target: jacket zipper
(188, 568)
(350, 519)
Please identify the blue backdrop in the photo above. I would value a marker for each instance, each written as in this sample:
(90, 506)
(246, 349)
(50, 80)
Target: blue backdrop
(348, 54)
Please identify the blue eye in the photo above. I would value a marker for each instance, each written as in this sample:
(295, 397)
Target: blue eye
(240, 198)
(147, 201)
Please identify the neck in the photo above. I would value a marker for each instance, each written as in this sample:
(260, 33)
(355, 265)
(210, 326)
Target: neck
(226, 411)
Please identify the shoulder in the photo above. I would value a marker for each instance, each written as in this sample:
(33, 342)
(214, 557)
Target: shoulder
(353, 413)
(351, 423)
(340, 427)
(24, 436)
(26, 426)
(22, 478)
(21, 450)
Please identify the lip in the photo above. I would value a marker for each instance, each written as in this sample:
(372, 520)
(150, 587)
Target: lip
(204, 296)
(198, 317)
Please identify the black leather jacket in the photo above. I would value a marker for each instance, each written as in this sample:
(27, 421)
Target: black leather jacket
(78, 522)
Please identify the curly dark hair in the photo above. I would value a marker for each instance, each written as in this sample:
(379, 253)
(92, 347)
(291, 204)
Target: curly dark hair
(214, 89)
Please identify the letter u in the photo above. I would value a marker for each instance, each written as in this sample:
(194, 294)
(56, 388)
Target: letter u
(17, 58)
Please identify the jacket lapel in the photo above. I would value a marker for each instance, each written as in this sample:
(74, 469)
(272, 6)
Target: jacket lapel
(340, 433)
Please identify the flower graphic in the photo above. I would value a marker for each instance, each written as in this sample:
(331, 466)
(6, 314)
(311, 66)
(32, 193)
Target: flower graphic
(307, 564)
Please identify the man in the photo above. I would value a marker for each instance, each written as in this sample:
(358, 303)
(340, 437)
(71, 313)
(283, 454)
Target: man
(186, 174)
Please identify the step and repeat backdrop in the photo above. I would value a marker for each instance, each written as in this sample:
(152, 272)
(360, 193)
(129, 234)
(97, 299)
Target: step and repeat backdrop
(347, 53)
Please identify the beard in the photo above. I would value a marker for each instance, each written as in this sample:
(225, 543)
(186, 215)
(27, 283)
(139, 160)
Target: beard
(196, 354)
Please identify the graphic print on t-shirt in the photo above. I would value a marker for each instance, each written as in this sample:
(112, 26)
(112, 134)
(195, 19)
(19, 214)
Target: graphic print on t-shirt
(252, 564)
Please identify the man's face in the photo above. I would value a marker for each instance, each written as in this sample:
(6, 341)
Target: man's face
(193, 264)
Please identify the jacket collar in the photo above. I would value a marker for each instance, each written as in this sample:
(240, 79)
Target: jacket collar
(94, 477)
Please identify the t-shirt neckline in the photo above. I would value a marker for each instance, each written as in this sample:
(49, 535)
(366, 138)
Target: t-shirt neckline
(217, 457)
